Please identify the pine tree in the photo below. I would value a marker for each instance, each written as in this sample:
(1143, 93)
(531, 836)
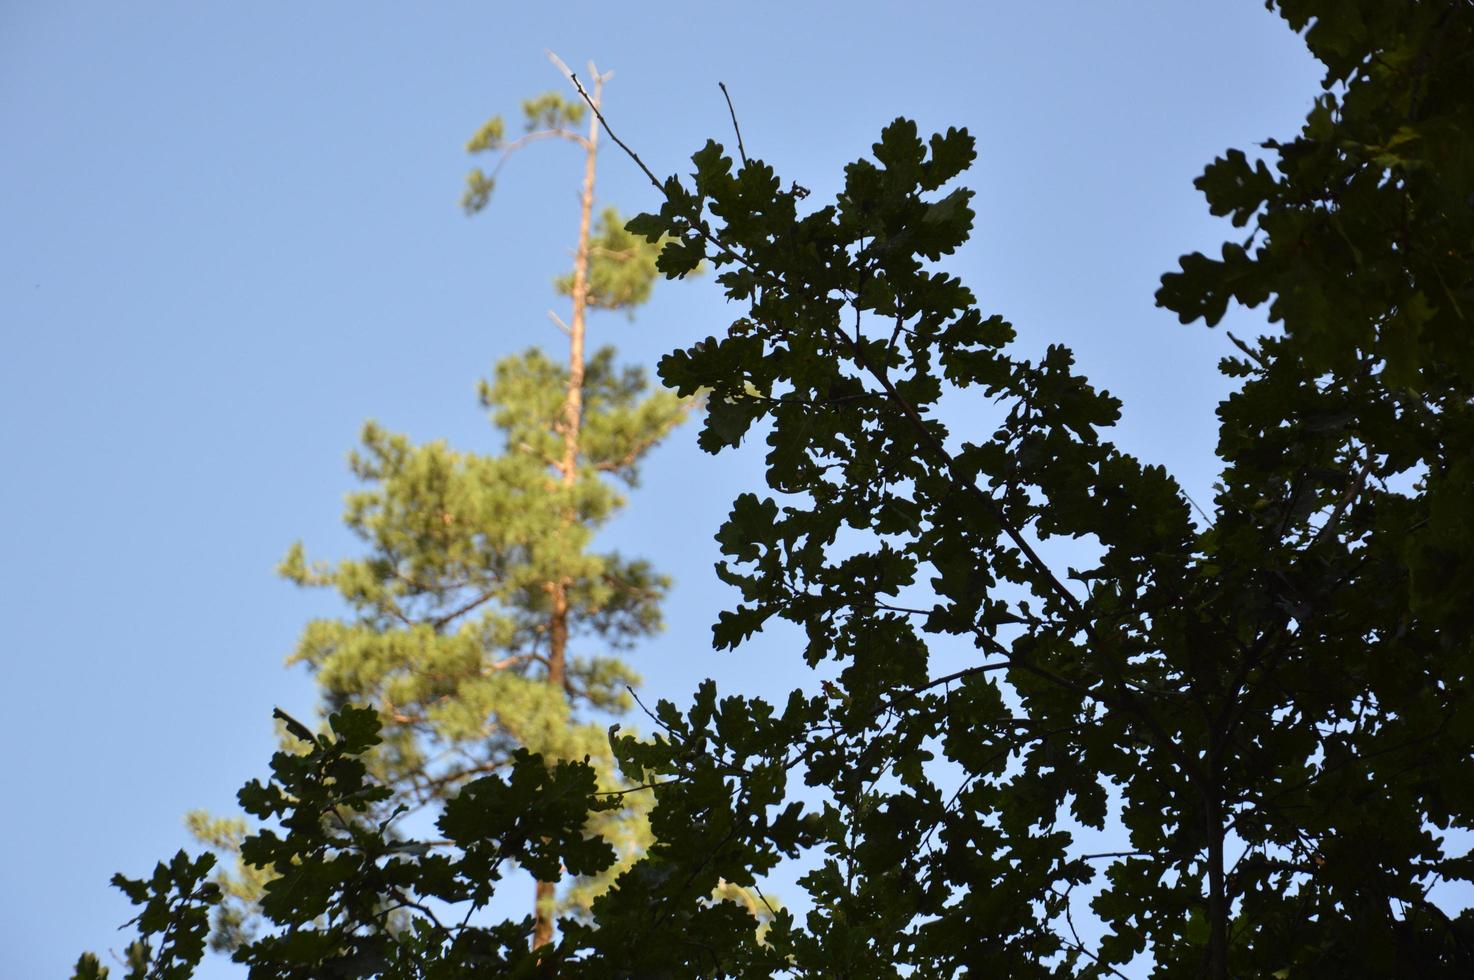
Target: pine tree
(481, 618)
(612, 270)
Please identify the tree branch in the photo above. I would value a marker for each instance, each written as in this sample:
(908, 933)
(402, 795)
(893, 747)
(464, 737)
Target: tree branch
(741, 150)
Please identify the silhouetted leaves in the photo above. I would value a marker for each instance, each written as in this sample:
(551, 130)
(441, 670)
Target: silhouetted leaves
(1270, 700)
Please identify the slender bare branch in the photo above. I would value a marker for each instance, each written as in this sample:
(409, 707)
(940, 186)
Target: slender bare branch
(741, 150)
(605, 123)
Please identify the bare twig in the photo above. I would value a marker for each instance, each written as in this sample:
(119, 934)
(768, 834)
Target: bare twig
(521, 141)
(771, 910)
(741, 150)
(1078, 944)
(651, 714)
(636, 789)
(471, 604)
(954, 676)
(1358, 484)
(1201, 512)
(558, 63)
(1253, 355)
(572, 77)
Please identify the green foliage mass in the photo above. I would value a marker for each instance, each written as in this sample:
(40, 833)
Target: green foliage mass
(618, 264)
(451, 600)
(449, 604)
(1273, 703)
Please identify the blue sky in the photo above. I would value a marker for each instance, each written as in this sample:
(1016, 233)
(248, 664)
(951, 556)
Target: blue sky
(232, 234)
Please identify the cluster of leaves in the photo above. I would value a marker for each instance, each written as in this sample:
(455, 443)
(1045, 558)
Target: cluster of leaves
(175, 919)
(1275, 705)
(351, 898)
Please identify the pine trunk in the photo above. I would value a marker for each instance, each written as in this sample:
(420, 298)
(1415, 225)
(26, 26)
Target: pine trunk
(571, 424)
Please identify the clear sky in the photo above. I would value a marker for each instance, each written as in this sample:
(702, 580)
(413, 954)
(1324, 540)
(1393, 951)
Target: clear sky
(231, 234)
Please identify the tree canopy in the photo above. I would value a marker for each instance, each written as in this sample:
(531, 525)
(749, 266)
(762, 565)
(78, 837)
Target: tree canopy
(1272, 699)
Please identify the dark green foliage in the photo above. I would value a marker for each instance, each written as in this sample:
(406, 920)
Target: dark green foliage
(1276, 705)
(1279, 699)
(174, 921)
(352, 897)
